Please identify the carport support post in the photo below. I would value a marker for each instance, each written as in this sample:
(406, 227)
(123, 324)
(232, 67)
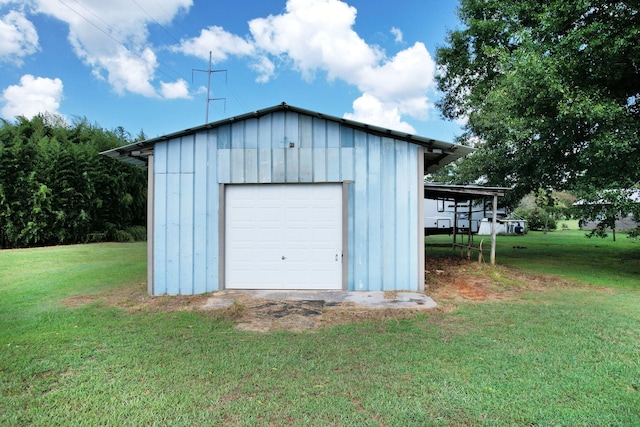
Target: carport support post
(494, 229)
(469, 232)
(455, 225)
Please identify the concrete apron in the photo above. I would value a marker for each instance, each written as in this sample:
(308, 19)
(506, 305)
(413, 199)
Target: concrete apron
(372, 299)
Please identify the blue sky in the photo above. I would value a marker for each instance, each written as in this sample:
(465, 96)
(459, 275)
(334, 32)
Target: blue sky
(129, 62)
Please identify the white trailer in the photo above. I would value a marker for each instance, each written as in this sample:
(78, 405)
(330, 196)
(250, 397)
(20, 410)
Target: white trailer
(440, 218)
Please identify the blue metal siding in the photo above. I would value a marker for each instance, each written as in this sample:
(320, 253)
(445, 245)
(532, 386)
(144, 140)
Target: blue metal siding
(359, 218)
(374, 208)
(212, 195)
(286, 147)
(186, 216)
(200, 182)
(383, 215)
(172, 247)
(160, 218)
(388, 202)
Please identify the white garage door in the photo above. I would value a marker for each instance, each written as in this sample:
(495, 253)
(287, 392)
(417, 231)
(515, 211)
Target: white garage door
(283, 236)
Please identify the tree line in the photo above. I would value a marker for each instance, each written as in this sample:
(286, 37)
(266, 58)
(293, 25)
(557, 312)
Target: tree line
(55, 188)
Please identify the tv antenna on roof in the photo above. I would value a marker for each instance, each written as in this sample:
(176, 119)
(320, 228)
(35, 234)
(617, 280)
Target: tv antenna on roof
(209, 71)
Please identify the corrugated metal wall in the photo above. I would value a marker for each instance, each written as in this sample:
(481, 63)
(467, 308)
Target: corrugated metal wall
(286, 147)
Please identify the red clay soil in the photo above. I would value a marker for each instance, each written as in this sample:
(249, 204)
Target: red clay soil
(471, 288)
(454, 278)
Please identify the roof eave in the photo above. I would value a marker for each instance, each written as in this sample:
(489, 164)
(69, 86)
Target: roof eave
(450, 150)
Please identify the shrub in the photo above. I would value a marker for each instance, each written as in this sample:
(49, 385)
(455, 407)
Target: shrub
(122, 236)
(138, 232)
(537, 218)
(96, 237)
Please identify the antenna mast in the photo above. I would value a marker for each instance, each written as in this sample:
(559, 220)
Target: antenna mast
(209, 71)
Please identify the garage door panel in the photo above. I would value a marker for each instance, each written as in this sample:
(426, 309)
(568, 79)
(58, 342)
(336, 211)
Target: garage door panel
(289, 241)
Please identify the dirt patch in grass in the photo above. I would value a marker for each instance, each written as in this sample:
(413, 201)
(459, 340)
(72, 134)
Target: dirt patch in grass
(456, 279)
(449, 280)
(262, 315)
(79, 300)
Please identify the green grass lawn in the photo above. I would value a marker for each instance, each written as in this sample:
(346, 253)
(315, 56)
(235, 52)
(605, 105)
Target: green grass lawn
(564, 356)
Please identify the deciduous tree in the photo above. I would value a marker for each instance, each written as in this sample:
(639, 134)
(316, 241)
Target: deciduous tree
(550, 92)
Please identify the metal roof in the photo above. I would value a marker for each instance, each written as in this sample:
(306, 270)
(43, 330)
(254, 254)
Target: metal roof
(632, 194)
(437, 153)
(434, 190)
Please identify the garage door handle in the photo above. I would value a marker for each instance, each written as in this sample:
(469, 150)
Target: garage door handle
(284, 257)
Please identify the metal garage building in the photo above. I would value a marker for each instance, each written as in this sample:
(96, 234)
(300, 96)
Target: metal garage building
(286, 198)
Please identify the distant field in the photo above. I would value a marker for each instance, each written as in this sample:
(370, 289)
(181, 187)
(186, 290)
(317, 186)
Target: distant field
(557, 355)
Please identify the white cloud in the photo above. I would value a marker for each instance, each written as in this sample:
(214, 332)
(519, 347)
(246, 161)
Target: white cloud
(316, 35)
(178, 89)
(131, 72)
(264, 67)
(217, 41)
(410, 71)
(18, 37)
(112, 37)
(397, 34)
(399, 85)
(32, 96)
(368, 109)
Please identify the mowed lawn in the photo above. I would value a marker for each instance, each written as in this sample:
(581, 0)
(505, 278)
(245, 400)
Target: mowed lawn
(566, 355)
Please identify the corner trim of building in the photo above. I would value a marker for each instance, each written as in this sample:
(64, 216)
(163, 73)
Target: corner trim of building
(345, 235)
(420, 195)
(222, 209)
(150, 223)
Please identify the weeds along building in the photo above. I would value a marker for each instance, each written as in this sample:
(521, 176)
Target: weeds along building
(286, 198)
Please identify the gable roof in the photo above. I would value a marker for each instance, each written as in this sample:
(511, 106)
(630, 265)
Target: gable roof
(437, 153)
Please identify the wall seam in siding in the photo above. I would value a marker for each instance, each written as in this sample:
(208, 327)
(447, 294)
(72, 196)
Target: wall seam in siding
(244, 151)
(206, 205)
(340, 148)
(366, 206)
(193, 218)
(395, 216)
(309, 123)
(258, 150)
(222, 219)
(179, 239)
(284, 145)
(409, 232)
(383, 223)
(166, 228)
(298, 150)
(326, 149)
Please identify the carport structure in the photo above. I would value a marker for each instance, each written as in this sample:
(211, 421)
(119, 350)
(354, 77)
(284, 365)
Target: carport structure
(470, 194)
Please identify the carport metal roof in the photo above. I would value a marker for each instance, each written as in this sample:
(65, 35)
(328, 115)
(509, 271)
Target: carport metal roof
(460, 192)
